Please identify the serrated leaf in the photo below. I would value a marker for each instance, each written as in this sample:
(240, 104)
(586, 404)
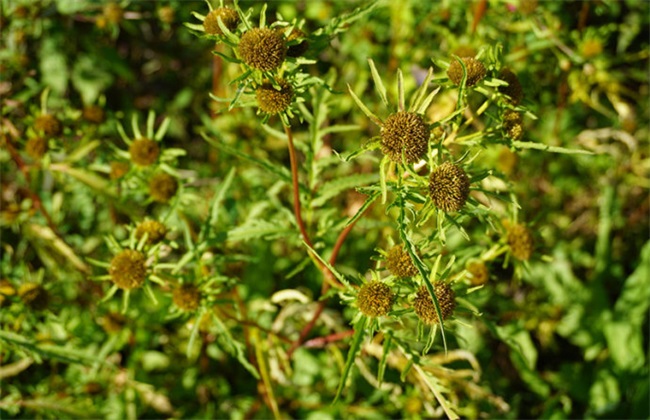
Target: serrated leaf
(334, 187)
(233, 347)
(363, 208)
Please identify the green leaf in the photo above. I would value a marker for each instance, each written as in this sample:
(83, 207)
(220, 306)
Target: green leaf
(259, 229)
(371, 199)
(53, 66)
(632, 305)
(334, 187)
(215, 206)
(357, 339)
(384, 357)
(280, 171)
(552, 149)
(364, 108)
(89, 78)
(233, 347)
(379, 84)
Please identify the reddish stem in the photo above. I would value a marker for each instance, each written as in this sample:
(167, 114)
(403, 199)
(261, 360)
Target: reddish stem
(323, 341)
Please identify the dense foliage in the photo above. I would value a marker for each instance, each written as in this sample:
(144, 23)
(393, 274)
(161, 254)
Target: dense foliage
(324, 209)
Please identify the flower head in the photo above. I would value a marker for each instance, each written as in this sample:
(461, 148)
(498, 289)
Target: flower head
(272, 100)
(520, 241)
(144, 152)
(426, 310)
(155, 231)
(262, 48)
(229, 18)
(128, 269)
(93, 114)
(475, 71)
(187, 297)
(449, 187)
(36, 147)
(375, 299)
(404, 133)
(513, 124)
(48, 125)
(478, 271)
(513, 90)
(399, 262)
(162, 187)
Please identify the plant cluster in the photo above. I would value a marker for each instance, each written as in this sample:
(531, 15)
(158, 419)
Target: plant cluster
(247, 210)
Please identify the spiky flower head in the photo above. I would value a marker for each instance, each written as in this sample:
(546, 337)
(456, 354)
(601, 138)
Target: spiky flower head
(187, 297)
(48, 125)
(34, 296)
(299, 49)
(228, 16)
(404, 133)
(144, 152)
(93, 114)
(128, 269)
(399, 262)
(162, 187)
(262, 48)
(36, 147)
(449, 187)
(513, 124)
(375, 299)
(520, 241)
(475, 71)
(155, 230)
(478, 271)
(514, 89)
(272, 100)
(426, 310)
(118, 169)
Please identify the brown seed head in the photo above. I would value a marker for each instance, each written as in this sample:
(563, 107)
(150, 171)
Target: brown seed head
(513, 90)
(128, 269)
(426, 310)
(156, 231)
(36, 147)
(404, 133)
(399, 262)
(375, 299)
(449, 187)
(162, 187)
(48, 124)
(475, 71)
(144, 152)
(93, 114)
(478, 271)
(271, 100)
(520, 241)
(262, 48)
(229, 18)
(513, 124)
(187, 297)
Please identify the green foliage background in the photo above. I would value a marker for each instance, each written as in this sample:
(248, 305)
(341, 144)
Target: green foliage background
(563, 335)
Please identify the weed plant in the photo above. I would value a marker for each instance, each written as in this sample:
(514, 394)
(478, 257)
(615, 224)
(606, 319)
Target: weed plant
(324, 209)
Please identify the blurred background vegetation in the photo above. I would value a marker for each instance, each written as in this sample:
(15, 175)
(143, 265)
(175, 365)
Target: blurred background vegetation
(567, 336)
